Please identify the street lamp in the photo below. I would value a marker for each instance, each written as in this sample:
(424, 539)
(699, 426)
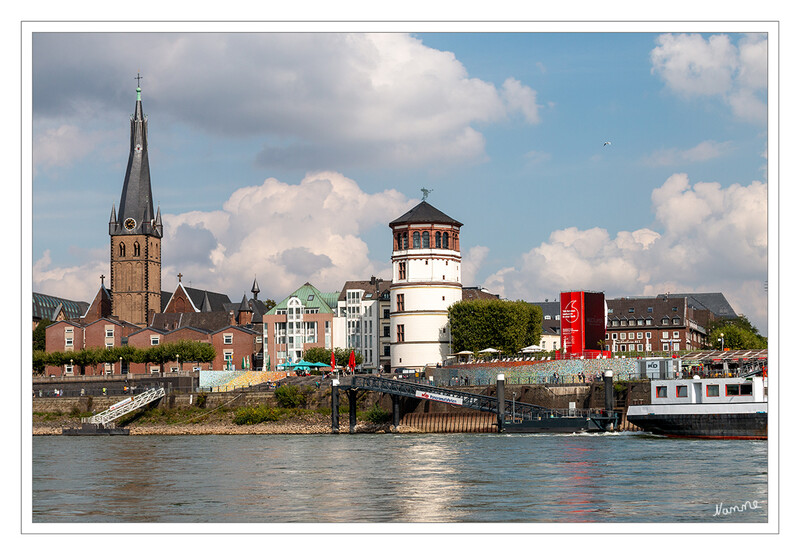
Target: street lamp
(120, 365)
(513, 406)
(722, 340)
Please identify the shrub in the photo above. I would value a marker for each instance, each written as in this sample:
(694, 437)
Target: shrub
(290, 396)
(377, 415)
(255, 415)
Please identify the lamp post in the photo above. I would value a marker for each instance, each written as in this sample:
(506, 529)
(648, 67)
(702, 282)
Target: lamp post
(513, 406)
(722, 340)
(120, 365)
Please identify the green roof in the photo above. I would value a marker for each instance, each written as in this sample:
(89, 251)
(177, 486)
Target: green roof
(310, 297)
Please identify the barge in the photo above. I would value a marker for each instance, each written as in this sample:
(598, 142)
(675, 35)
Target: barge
(711, 408)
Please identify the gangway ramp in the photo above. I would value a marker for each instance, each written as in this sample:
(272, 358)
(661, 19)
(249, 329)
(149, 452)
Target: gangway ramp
(125, 406)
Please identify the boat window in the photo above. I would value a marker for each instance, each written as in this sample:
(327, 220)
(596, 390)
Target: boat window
(681, 391)
(712, 390)
(661, 391)
(738, 389)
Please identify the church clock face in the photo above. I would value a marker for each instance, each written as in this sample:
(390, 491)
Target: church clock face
(130, 223)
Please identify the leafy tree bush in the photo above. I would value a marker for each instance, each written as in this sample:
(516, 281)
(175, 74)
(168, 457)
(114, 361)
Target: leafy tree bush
(39, 334)
(255, 415)
(318, 354)
(290, 396)
(377, 415)
(505, 325)
(738, 332)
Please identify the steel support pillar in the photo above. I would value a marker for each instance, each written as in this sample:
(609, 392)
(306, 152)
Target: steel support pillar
(351, 397)
(608, 386)
(335, 407)
(501, 402)
(395, 411)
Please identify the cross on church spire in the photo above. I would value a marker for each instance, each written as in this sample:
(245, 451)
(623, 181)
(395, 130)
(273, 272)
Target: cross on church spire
(179, 277)
(138, 79)
(102, 277)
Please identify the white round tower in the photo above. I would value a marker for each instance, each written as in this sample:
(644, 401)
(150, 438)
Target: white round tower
(426, 280)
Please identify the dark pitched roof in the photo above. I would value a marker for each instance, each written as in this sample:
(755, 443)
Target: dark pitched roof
(197, 296)
(714, 302)
(549, 308)
(209, 321)
(45, 305)
(136, 202)
(472, 293)
(425, 213)
(372, 288)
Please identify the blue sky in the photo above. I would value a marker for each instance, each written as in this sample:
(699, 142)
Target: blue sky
(285, 156)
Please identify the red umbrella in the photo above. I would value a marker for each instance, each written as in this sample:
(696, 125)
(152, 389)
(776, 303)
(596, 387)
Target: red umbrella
(352, 362)
(333, 360)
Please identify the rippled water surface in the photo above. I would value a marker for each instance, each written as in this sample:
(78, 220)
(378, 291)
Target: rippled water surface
(625, 477)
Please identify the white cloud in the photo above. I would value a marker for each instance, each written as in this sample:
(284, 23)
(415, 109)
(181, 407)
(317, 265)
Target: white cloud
(318, 100)
(471, 261)
(535, 157)
(693, 66)
(78, 283)
(712, 238)
(706, 150)
(62, 146)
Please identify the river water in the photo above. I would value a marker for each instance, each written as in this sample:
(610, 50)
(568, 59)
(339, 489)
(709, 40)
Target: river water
(413, 478)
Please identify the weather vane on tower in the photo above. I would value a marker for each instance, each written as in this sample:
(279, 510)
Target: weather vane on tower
(425, 192)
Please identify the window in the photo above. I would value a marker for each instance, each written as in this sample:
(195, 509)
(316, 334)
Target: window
(614, 336)
(153, 340)
(630, 310)
(401, 333)
(623, 335)
(385, 312)
(649, 322)
(401, 302)
(665, 335)
(426, 240)
(649, 309)
(665, 321)
(712, 390)
(68, 369)
(638, 335)
(682, 391)
(640, 322)
(738, 389)
(109, 332)
(122, 249)
(676, 334)
(227, 339)
(310, 298)
(674, 309)
(386, 352)
(640, 347)
(631, 322)
(137, 251)
(647, 335)
(227, 356)
(676, 321)
(623, 323)
(547, 317)
(415, 244)
(615, 324)
(438, 239)
(401, 270)
(68, 341)
(446, 240)
(405, 241)
(661, 391)
(386, 331)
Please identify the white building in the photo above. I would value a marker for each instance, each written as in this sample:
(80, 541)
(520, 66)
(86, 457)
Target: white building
(358, 320)
(426, 280)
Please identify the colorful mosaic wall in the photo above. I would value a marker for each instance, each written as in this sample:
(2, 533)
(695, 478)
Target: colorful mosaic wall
(545, 371)
(225, 380)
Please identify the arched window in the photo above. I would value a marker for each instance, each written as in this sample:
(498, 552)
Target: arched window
(438, 239)
(426, 240)
(399, 244)
(446, 240)
(122, 249)
(137, 251)
(405, 241)
(415, 244)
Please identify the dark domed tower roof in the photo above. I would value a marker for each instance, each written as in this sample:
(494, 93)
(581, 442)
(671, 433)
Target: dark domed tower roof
(425, 213)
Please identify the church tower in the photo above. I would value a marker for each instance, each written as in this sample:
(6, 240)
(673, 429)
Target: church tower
(136, 234)
(426, 280)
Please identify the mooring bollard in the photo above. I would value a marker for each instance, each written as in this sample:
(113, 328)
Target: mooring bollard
(335, 406)
(501, 401)
(608, 385)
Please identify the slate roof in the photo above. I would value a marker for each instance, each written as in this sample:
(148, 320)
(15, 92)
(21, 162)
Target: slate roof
(425, 213)
(714, 302)
(549, 308)
(209, 321)
(217, 300)
(473, 293)
(372, 288)
(45, 305)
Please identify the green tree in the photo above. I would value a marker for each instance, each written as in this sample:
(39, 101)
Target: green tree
(505, 325)
(318, 354)
(739, 333)
(39, 335)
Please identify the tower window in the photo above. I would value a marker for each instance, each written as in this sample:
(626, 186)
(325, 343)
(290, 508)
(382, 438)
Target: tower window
(137, 251)
(401, 333)
(426, 240)
(438, 239)
(415, 244)
(405, 241)
(400, 302)
(122, 249)
(446, 240)
(401, 270)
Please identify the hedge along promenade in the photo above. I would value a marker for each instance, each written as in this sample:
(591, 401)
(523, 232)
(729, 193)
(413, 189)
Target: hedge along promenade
(188, 351)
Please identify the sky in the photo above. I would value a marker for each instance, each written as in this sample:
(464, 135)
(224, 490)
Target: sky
(284, 156)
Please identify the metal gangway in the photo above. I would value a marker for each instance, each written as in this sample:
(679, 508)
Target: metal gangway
(125, 407)
(484, 403)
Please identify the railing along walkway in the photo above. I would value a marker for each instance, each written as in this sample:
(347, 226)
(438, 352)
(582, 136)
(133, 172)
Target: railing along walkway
(484, 403)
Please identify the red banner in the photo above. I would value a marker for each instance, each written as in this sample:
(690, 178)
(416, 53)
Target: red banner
(583, 321)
